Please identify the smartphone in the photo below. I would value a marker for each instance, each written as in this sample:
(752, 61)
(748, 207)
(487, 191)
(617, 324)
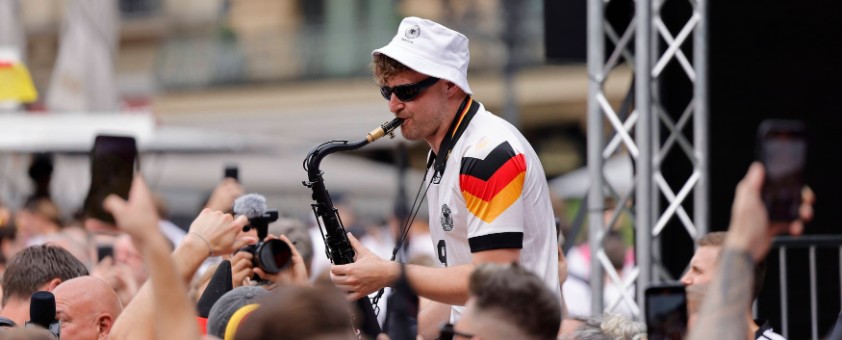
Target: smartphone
(666, 312)
(782, 148)
(103, 251)
(231, 171)
(113, 165)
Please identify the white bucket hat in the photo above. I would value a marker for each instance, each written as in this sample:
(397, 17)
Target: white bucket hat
(432, 49)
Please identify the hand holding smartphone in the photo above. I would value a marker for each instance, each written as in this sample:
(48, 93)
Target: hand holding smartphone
(113, 164)
(782, 148)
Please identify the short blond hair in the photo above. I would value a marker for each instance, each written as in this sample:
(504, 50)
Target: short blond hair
(713, 239)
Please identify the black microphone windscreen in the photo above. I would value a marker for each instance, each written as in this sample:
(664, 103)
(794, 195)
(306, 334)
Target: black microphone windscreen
(219, 284)
(250, 205)
(42, 308)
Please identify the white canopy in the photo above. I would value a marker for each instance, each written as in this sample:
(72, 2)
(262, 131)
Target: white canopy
(619, 173)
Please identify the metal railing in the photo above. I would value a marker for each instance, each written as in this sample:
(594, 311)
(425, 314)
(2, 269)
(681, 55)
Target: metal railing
(811, 243)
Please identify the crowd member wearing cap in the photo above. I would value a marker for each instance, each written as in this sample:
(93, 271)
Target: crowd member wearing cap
(488, 197)
(231, 309)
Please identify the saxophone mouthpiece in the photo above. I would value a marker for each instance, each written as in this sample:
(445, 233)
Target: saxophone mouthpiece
(387, 128)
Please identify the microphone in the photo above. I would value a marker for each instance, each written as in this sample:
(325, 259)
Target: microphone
(253, 207)
(250, 205)
(42, 313)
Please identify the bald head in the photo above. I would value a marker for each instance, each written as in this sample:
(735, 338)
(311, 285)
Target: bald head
(87, 308)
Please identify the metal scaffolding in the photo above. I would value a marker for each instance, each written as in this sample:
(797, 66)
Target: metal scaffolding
(636, 133)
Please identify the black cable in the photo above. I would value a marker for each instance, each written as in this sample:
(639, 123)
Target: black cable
(416, 206)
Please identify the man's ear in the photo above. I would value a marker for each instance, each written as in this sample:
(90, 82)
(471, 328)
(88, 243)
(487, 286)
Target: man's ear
(451, 88)
(50, 286)
(103, 325)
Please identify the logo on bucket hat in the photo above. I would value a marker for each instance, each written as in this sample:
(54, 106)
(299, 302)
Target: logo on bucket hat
(412, 32)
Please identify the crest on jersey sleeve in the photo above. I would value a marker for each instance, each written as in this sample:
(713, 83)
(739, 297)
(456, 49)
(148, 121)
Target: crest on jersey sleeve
(492, 184)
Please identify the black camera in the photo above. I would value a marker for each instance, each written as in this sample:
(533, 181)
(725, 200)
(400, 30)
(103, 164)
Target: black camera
(272, 256)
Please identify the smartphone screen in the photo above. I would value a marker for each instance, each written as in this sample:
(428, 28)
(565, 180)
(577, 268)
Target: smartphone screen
(231, 171)
(783, 151)
(113, 163)
(103, 251)
(666, 312)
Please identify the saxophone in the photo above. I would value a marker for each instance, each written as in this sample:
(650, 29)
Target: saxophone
(337, 247)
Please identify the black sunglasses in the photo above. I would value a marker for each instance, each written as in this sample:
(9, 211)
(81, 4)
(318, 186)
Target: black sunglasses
(447, 332)
(407, 92)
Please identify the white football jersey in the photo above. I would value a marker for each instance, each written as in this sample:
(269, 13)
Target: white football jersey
(493, 194)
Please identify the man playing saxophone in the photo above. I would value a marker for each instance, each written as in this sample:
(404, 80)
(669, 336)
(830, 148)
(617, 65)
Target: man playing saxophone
(487, 192)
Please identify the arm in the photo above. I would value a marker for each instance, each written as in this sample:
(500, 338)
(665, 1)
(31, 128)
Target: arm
(562, 278)
(447, 285)
(137, 321)
(220, 230)
(450, 284)
(137, 217)
(174, 312)
(749, 238)
(431, 318)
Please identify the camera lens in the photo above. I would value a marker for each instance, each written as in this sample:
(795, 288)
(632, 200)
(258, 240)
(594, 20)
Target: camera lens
(274, 256)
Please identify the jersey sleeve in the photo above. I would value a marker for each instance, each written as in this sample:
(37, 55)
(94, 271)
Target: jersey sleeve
(491, 183)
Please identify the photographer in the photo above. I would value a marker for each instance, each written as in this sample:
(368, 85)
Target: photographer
(272, 260)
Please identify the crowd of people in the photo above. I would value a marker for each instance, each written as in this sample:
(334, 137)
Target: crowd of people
(492, 268)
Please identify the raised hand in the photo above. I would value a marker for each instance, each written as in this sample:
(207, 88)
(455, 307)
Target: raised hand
(750, 227)
(223, 196)
(219, 231)
(137, 216)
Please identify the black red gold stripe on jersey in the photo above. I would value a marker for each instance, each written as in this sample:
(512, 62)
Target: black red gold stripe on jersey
(466, 112)
(491, 185)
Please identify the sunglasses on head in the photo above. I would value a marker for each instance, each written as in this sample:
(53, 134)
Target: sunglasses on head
(447, 332)
(407, 92)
